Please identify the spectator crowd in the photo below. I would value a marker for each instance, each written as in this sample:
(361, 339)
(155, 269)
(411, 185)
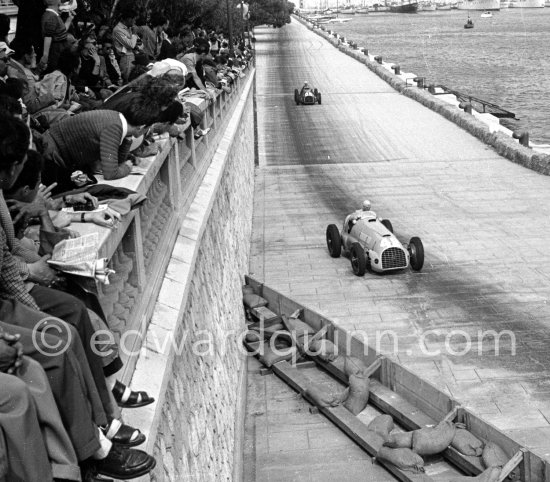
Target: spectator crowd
(78, 100)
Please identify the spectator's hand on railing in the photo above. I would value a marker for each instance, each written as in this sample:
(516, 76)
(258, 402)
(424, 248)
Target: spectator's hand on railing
(106, 218)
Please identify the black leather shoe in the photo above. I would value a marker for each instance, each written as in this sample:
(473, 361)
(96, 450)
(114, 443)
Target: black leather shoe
(125, 464)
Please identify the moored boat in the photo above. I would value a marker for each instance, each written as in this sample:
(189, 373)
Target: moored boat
(379, 7)
(486, 14)
(321, 18)
(526, 4)
(504, 4)
(411, 7)
(443, 6)
(469, 23)
(362, 11)
(479, 5)
(427, 6)
(347, 11)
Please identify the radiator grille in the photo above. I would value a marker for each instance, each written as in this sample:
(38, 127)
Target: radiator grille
(394, 258)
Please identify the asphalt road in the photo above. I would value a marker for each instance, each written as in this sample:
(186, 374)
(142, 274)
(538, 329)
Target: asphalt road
(483, 221)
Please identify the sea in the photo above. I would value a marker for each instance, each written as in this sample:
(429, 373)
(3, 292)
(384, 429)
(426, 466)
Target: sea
(504, 60)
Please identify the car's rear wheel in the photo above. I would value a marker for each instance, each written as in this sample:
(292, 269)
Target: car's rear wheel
(358, 259)
(416, 251)
(296, 96)
(334, 244)
(387, 224)
(319, 97)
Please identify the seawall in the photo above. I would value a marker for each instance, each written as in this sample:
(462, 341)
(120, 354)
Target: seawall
(502, 143)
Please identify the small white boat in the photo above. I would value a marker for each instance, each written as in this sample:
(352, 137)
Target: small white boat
(336, 20)
(486, 14)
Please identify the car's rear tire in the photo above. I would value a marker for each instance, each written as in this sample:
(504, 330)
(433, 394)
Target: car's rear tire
(358, 259)
(296, 96)
(387, 224)
(416, 251)
(334, 243)
(319, 97)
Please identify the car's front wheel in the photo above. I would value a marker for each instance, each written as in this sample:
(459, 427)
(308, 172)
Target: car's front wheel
(319, 97)
(334, 243)
(358, 259)
(296, 96)
(416, 251)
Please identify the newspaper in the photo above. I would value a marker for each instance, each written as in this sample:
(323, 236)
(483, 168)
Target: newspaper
(78, 256)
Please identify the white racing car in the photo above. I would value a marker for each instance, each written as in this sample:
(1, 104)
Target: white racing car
(370, 243)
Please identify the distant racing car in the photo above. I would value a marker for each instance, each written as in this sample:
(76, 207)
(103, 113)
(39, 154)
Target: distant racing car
(370, 243)
(307, 96)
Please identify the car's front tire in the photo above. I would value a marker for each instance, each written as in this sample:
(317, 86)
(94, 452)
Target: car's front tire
(387, 224)
(334, 243)
(358, 259)
(319, 97)
(296, 96)
(416, 252)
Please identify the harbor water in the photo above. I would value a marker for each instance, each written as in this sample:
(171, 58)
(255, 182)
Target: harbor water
(504, 59)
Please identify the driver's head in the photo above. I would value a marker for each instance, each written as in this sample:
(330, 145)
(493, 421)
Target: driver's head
(305, 84)
(366, 205)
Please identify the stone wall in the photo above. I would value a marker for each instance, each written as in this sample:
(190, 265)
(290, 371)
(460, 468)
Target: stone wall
(197, 431)
(194, 427)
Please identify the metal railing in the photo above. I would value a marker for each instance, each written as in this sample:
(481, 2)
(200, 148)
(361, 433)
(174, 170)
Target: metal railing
(479, 105)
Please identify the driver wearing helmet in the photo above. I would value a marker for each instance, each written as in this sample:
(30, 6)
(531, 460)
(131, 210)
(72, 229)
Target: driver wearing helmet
(305, 88)
(362, 213)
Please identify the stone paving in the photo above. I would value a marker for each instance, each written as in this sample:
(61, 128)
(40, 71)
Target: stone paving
(484, 222)
(285, 442)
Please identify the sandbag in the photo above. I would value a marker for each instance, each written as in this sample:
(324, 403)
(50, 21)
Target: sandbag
(404, 459)
(354, 366)
(325, 350)
(490, 475)
(433, 440)
(494, 456)
(399, 440)
(247, 289)
(382, 425)
(358, 394)
(322, 398)
(467, 443)
(267, 332)
(283, 353)
(251, 300)
(301, 328)
(253, 336)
